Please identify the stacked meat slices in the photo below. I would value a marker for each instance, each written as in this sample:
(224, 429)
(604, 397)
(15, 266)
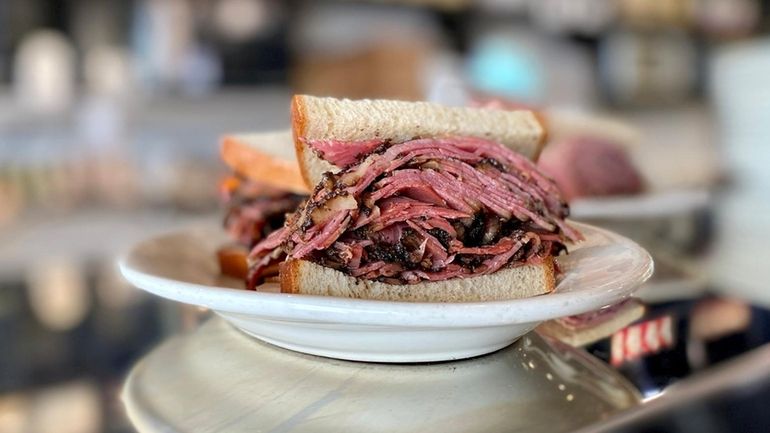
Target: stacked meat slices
(423, 210)
(254, 210)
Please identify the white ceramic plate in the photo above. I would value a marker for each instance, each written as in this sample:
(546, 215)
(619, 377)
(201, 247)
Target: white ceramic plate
(599, 271)
(647, 205)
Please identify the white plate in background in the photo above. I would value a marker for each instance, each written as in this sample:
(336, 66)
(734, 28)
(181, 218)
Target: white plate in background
(182, 266)
(645, 205)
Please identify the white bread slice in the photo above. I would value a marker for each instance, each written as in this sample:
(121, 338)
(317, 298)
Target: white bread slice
(566, 124)
(315, 118)
(308, 278)
(584, 336)
(264, 157)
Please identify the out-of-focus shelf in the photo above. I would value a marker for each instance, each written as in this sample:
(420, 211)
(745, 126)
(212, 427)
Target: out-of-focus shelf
(265, 107)
(85, 236)
(174, 127)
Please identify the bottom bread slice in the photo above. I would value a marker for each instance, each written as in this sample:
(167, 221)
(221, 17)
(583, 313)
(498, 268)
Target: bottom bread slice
(308, 278)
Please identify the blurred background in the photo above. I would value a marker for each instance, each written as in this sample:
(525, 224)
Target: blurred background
(111, 111)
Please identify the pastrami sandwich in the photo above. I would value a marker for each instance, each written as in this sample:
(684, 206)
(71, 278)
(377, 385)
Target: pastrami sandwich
(417, 202)
(266, 185)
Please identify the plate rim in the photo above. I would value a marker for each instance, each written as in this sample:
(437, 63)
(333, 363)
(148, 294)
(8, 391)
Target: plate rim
(292, 307)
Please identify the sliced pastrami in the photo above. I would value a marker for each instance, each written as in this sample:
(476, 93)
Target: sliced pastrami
(428, 210)
(343, 153)
(400, 209)
(265, 256)
(255, 212)
(326, 236)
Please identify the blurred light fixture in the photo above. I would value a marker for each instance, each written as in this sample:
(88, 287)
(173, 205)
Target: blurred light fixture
(58, 293)
(241, 20)
(44, 72)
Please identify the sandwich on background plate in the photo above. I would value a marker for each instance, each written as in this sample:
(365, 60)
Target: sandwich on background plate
(591, 166)
(584, 329)
(587, 155)
(592, 156)
(266, 185)
(414, 201)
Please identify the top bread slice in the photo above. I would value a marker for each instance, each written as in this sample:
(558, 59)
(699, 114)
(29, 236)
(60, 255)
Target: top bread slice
(307, 278)
(267, 158)
(316, 118)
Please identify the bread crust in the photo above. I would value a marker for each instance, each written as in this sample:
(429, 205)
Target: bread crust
(298, 125)
(289, 276)
(543, 121)
(262, 167)
(232, 261)
(550, 274)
